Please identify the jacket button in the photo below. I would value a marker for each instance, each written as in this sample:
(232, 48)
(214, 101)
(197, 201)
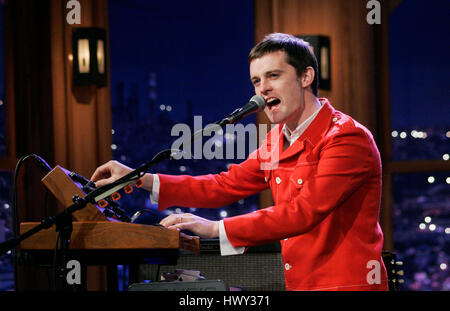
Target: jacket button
(300, 181)
(287, 266)
(278, 180)
(335, 119)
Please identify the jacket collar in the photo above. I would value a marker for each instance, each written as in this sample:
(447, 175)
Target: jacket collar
(311, 135)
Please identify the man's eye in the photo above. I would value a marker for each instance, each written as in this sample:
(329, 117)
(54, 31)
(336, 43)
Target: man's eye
(255, 82)
(274, 75)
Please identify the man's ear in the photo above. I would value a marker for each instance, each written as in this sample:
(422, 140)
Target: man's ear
(307, 77)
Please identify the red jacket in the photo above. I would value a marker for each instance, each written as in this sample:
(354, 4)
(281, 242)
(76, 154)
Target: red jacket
(326, 188)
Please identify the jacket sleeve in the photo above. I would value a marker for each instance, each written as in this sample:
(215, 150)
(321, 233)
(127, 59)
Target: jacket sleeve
(347, 159)
(213, 190)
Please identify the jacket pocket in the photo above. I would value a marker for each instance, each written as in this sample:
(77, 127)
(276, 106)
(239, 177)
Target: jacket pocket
(301, 175)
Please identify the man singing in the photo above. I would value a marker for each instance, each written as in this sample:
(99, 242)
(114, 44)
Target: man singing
(324, 172)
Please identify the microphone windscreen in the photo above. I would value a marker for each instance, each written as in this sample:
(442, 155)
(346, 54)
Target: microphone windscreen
(259, 100)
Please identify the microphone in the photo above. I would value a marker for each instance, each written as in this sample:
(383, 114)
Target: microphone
(256, 104)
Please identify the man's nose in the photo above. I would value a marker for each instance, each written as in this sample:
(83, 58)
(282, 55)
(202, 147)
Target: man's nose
(264, 86)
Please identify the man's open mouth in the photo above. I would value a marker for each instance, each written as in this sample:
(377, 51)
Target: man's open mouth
(273, 102)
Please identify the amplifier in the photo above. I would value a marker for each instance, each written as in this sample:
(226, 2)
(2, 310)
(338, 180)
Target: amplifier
(259, 268)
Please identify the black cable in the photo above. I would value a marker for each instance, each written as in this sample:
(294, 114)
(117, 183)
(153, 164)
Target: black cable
(145, 210)
(43, 165)
(55, 267)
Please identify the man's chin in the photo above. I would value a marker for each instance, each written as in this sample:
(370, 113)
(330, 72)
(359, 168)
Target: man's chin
(274, 120)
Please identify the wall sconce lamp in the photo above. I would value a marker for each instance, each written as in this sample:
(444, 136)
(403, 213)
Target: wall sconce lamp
(89, 56)
(321, 49)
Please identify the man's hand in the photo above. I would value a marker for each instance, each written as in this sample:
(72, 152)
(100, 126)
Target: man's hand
(113, 170)
(200, 226)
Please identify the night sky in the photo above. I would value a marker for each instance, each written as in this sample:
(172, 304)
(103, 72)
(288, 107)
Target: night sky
(419, 56)
(2, 76)
(198, 50)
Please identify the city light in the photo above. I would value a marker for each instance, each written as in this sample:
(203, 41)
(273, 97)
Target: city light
(445, 157)
(447, 180)
(443, 266)
(422, 226)
(418, 134)
(447, 230)
(394, 133)
(223, 214)
(432, 227)
(182, 168)
(431, 179)
(447, 134)
(428, 219)
(169, 108)
(162, 107)
(113, 146)
(403, 135)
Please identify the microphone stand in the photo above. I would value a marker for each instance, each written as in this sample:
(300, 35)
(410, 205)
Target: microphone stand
(63, 220)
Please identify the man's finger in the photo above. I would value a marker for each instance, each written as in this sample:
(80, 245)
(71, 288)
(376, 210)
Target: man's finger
(103, 182)
(183, 226)
(168, 221)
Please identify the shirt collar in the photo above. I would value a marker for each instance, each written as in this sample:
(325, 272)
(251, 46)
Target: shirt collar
(291, 137)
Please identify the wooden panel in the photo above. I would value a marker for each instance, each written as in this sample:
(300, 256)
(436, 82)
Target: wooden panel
(82, 113)
(63, 188)
(418, 166)
(58, 60)
(351, 41)
(9, 91)
(104, 235)
(103, 95)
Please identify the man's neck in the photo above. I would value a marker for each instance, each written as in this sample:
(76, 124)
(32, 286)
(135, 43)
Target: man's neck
(312, 104)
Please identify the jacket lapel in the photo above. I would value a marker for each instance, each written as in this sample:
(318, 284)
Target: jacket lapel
(312, 134)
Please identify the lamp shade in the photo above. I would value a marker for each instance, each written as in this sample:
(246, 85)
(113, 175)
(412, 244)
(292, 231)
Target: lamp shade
(89, 56)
